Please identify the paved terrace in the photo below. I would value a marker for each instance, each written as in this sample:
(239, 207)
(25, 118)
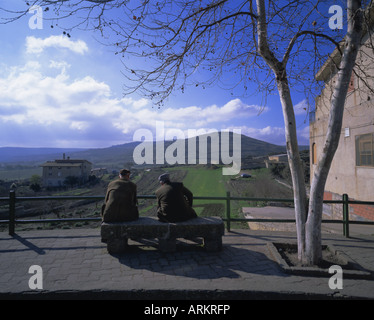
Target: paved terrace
(76, 264)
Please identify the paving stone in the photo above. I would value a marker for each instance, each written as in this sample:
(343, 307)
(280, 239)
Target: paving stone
(76, 260)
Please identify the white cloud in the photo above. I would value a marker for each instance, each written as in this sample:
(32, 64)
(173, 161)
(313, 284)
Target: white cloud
(48, 99)
(304, 135)
(43, 105)
(137, 104)
(79, 125)
(301, 108)
(60, 65)
(194, 117)
(270, 134)
(37, 45)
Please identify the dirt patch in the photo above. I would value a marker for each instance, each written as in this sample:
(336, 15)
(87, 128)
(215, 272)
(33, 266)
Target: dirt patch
(329, 257)
(285, 254)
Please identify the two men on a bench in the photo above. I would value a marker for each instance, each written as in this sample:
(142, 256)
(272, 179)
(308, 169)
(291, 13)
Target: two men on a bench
(174, 200)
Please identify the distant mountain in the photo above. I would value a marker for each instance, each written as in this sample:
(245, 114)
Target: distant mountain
(111, 157)
(19, 154)
(120, 155)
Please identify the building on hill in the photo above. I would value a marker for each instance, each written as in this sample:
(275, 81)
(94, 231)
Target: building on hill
(352, 170)
(55, 172)
(276, 159)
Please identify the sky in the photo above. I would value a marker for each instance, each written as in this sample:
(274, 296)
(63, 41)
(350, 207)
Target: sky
(60, 91)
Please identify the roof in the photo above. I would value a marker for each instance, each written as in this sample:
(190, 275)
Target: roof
(329, 66)
(70, 161)
(54, 164)
(64, 163)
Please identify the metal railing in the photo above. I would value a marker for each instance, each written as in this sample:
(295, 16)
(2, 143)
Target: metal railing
(345, 202)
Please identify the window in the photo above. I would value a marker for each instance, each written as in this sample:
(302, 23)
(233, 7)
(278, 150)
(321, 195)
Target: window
(314, 153)
(365, 150)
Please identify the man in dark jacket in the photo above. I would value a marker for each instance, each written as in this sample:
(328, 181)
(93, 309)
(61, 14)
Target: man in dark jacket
(174, 201)
(120, 201)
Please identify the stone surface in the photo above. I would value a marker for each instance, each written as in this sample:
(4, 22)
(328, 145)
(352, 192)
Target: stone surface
(76, 265)
(209, 228)
(270, 213)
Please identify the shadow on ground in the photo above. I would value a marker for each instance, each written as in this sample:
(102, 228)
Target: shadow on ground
(191, 260)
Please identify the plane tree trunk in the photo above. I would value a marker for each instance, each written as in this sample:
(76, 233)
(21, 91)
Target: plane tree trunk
(345, 68)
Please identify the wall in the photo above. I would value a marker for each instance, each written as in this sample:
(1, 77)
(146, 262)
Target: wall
(356, 211)
(345, 176)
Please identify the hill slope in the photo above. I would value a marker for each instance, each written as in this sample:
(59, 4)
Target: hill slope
(120, 155)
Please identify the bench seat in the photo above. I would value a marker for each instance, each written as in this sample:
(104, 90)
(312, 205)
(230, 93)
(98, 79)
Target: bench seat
(116, 234)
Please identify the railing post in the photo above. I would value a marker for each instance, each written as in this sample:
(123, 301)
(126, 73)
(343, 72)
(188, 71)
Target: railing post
(12, 212)
(345, 215)
(228, 209)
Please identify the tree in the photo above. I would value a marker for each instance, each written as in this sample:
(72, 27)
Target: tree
(309, 220)
(35, 182)
(277, 44)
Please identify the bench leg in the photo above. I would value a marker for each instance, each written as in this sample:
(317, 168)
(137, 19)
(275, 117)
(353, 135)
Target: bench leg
(167, 245)
(213, 244)
(117, 245)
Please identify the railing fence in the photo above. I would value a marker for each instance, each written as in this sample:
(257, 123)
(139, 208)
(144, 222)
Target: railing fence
(12, 200)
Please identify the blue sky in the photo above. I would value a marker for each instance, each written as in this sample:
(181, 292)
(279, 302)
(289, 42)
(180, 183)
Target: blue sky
(59, 91)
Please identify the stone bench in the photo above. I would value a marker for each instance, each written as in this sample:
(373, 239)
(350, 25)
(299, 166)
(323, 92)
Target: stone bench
(116, 234)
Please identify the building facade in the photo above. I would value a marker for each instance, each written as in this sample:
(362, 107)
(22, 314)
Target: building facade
(352, 170)
(55, 172)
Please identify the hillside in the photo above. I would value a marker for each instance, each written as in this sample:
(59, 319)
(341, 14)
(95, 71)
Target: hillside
(122, 155)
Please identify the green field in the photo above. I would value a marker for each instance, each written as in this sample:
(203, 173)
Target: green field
(19, 173)
(206, 182)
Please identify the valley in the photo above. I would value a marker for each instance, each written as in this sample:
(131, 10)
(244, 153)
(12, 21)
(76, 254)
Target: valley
(204, 180)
